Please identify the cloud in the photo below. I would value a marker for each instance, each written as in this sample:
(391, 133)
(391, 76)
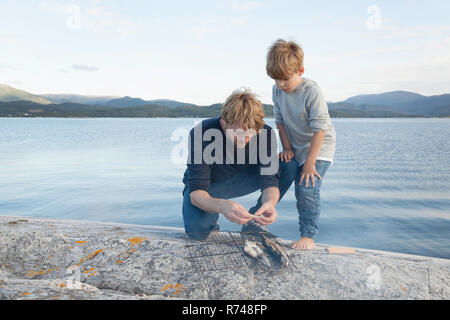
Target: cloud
(239, 21)
(5, 67)
(427, 74)
(199, 33)
(82, 67)
(207, 27)
(8, 37)
(245, 5)
(385, 50)
(393, 32)
(104, 21)
(53, 7)
(91, 18)
(14, 83)
(212, 26)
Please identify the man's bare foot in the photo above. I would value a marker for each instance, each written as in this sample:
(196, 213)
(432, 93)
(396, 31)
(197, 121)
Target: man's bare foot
(304, 244)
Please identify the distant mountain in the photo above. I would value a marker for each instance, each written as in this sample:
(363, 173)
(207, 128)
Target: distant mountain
(135, 102)
(170, 103)
(360, 107)
(8, 93)
(126, 102)
(76, 98)
(355, 113)
(16, 103)
(442, 112)
(388, 98)
(430, 106)
(402, 102)
(31, 109)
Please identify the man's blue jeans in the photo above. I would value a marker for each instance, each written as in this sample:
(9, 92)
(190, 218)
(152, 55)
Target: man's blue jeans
(308, 200)
(198, 223)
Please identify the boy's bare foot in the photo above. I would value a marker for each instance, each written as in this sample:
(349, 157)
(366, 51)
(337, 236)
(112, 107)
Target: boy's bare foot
(304, 244)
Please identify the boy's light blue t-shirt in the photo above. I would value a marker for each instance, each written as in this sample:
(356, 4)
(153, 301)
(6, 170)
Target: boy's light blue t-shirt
(303, 112)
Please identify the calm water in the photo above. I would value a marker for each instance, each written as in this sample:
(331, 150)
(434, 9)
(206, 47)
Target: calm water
(388, 189)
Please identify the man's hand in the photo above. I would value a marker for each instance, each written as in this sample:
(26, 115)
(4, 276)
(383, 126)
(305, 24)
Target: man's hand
(286, 155)
(236, 213)
(266, 214)
(309, 171)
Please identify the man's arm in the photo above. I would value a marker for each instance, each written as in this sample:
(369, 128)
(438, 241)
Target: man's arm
(231, 210)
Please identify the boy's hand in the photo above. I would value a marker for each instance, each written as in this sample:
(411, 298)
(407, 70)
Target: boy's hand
(286, 155)
(309, 171)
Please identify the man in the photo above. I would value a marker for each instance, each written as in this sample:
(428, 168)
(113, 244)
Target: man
(229, 157)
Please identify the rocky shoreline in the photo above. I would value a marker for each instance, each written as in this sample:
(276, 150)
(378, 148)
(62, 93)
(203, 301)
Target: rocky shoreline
(44, 258)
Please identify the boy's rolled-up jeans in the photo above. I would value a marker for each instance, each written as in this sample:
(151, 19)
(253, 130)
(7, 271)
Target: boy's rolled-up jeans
(308, 200)
(198, 223)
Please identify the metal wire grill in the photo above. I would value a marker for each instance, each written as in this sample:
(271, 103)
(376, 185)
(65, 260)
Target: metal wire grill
(223, 250)
(218, 251)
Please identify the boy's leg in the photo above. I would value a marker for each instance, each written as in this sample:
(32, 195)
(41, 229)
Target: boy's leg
(308, 200)
(198, 223)
(288, 172)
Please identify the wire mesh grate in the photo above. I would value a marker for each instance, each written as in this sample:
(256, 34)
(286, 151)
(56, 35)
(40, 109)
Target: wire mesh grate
(218, 251)
(224, 250)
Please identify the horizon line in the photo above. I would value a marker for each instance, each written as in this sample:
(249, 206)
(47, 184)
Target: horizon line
(124, 96)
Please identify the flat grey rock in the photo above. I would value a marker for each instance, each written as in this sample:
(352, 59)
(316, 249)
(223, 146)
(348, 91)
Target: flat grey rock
(64, 259)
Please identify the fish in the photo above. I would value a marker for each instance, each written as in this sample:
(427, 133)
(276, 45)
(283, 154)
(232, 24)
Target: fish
(275, 250)
(255, 251)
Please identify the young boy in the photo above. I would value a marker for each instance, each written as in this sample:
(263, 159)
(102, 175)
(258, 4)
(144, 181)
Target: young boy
(306, 132)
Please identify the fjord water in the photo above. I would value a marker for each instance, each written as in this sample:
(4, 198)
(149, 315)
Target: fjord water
(389, 187)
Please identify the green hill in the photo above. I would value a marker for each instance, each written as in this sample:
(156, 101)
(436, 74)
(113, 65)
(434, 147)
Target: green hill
(8, 93)
(31, 109)
(137, 102)
(19, 103)
(77, 98)
(402, 102)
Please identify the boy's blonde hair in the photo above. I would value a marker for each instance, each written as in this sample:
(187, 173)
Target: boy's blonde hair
(243, 107)
(284, 59)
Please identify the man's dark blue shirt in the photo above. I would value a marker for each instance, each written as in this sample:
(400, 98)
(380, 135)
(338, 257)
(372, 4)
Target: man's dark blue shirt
(199, 176)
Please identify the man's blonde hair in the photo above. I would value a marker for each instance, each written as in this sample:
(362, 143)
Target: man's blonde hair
(284, 59)
(244, 108)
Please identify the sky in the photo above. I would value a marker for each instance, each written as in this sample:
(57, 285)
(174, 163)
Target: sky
(199, 51)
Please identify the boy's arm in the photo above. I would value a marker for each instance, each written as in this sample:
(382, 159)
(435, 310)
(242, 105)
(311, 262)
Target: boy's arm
(283, 136)
(287, 153)
(309, 167)
(317, 109)
(314, 149)
(280, 122)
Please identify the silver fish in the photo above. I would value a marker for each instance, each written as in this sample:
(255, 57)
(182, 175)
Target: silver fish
(275, 249)
(254, 251)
